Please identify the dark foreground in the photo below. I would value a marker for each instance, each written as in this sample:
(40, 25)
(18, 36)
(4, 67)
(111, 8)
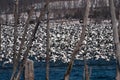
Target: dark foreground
(99, 70)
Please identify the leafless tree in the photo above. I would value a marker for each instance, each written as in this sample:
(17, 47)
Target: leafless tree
(17, 56)
(48, 42)
(77, 48)
(20, 68)
(115, 36)
(15, 33)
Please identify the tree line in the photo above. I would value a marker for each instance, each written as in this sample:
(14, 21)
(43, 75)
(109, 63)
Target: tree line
(70, 8)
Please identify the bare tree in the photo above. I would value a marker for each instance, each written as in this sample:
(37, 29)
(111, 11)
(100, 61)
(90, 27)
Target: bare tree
(48, 42)
(0, 36)
(15, 33)
(115, 37)
(77, 48)
(86, 68)
(20, 69)
(17, 56)
(86, 71)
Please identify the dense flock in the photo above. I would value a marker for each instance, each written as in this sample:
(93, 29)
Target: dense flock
(98, 42)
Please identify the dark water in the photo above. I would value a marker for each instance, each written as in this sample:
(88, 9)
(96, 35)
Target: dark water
(100, 70)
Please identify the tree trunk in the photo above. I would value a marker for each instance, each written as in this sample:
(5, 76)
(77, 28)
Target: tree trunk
(117, 66)
(17, 56)
(115, 37)
(15, 35)
(117, 73)
(77, 48)
(86, 71)
(29, 70)
(20, 69)
(48, 44)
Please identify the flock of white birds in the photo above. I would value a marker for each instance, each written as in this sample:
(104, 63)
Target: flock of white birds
(98, 42)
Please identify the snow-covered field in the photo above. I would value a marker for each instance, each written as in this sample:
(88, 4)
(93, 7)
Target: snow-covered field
(98, 42)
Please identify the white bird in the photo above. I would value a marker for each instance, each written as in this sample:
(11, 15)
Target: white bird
(97, 57)
(58, 35)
